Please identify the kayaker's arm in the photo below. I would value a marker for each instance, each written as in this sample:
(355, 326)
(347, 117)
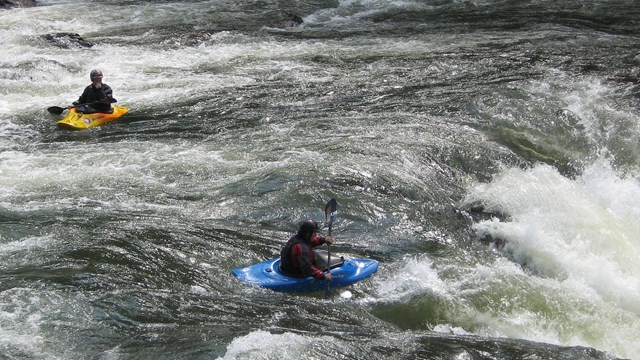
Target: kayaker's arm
(318, 240)
(305, 263)
(105, 94)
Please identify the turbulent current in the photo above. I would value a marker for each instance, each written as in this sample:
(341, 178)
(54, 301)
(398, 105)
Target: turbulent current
(485, 152)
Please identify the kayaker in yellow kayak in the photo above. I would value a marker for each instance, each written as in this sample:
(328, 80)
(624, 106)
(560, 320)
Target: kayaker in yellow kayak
(96, 98)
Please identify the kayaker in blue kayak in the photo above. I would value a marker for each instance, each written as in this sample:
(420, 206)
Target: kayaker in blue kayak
(96, 98)
(297, 258)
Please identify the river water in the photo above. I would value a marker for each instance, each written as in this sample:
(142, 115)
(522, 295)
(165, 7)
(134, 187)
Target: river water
(485, 152)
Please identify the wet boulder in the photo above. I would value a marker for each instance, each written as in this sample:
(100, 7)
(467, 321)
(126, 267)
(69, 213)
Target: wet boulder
(287, 20)
(5, 4)
(67, 40)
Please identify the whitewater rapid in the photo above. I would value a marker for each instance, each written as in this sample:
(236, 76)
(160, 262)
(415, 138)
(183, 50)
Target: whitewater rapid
(485, 153)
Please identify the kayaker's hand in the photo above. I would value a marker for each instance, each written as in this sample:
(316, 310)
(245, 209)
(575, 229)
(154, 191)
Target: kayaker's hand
(328, 276)
(329, 240)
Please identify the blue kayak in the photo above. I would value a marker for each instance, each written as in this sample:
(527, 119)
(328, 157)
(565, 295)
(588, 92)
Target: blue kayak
(267, 274)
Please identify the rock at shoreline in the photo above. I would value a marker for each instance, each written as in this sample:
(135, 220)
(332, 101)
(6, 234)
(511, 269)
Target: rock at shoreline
(6, 4)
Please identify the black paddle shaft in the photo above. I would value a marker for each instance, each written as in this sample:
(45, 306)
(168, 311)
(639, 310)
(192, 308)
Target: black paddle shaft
(330, 212)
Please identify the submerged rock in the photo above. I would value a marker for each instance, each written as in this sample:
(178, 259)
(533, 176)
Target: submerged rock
(287, 21)
(5, 4)
(67, 40)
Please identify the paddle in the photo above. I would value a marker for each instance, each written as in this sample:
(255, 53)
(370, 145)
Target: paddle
(330, 212)
(56, 110)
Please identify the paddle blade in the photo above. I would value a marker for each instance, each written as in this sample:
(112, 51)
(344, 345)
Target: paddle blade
(330, 211)
(56, 110)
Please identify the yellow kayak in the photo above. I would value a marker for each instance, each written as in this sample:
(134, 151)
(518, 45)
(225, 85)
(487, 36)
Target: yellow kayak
(78, 121)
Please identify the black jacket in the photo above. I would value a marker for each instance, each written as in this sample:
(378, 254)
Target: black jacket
(92, 97)
(297, 258)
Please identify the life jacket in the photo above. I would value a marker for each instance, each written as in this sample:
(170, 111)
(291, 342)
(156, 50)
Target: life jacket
(296, 265)
(91, 97)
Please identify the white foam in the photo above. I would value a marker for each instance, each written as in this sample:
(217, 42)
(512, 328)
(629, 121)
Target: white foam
(416, 277)
(265, 345)
(578, 242)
